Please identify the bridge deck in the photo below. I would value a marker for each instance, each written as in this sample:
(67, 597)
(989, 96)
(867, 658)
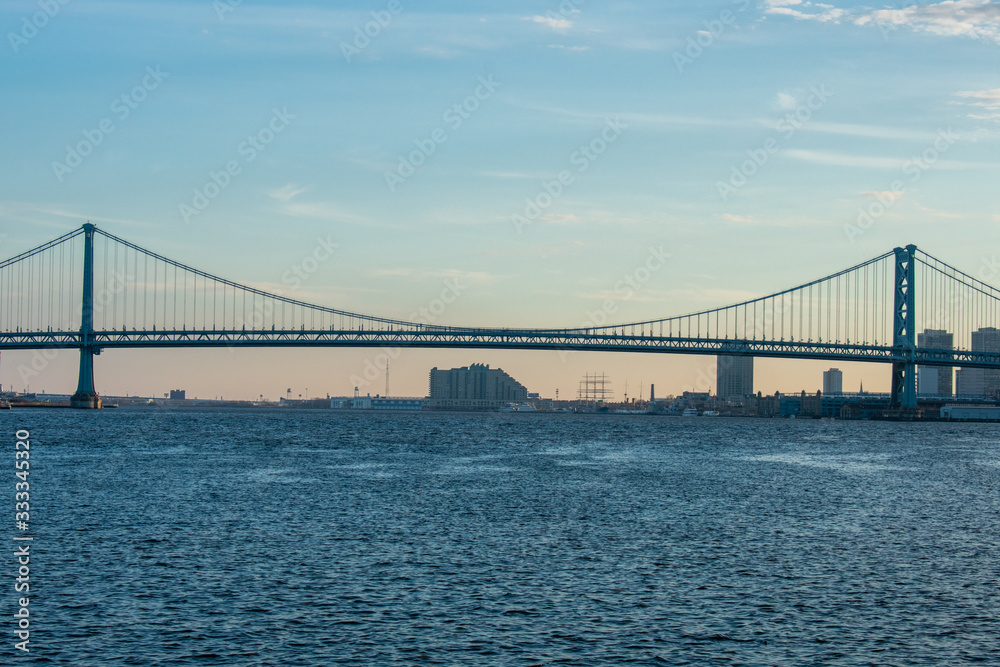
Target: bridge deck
(500, 339)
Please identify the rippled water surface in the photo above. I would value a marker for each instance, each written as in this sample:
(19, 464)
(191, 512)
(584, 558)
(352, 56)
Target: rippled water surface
(317, 538)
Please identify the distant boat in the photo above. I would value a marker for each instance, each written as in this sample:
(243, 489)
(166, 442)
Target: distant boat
(4, 404)
(519, 407)
(689, 412)
(710, 413)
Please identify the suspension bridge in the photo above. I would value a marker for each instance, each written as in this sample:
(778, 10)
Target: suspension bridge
(91, 290)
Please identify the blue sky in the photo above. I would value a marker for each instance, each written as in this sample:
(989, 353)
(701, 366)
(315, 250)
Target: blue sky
(743, 139)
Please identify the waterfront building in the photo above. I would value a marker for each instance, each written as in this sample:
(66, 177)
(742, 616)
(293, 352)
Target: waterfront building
(935, 380)
(768, 406)
(475, 387)
(833, 382)
(733, 377)
(970, 412)
(811, 405)
(370, 402)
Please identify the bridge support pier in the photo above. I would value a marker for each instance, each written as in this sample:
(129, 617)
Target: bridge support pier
(904, 337)
(86, 397)
(904, 385)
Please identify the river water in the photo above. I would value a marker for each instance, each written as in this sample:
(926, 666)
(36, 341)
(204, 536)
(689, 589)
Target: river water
(284, 537)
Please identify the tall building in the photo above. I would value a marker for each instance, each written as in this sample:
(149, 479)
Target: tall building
(733, 377)
(969, 382)
(981, 381)
(833, 382)
(935, 380)
(475, 387)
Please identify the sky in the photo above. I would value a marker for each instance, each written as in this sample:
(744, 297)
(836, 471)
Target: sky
(526, 156)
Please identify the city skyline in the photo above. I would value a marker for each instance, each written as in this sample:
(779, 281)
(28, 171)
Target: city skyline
(278, 145)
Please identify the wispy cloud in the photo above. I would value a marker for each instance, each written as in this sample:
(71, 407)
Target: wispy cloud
(83, 217)
(806, 11)
(936, 213)
(563, 219)
(328, 212)
(557, 24)
(287, 192)
(988, 101)
(532, 175)
(453, 274)
(645, 295)
(786, 102)
(977, 19)
(884, 195)
(842, 160)
(438, 52)
(870, 162)
(869, 131)
(709, 295)
(783, 223)
(323, 295)
(636, 118)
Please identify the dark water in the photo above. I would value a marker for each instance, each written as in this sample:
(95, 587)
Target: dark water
(316, 538)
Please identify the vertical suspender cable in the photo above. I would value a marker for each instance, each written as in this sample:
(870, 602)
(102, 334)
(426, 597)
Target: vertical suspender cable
(864, 305)
(133, 278)
(48, 291)
(57, 297)
(72, 280)
(114, 296)
(174, 323)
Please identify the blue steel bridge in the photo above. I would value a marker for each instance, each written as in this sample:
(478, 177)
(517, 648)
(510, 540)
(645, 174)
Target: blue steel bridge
(91, 290)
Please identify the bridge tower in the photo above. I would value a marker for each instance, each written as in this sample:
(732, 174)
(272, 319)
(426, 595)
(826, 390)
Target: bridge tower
(904, 335)
(86, 397)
